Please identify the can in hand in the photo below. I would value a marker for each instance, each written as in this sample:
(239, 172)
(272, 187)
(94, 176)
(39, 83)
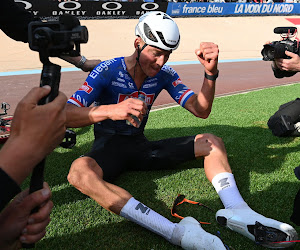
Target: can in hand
(142, 98)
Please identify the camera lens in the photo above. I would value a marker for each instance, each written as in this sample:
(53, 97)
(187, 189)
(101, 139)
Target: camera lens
(268, 52)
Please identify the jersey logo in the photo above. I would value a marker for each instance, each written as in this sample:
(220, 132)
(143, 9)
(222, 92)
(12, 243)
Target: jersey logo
(86, 88)
(100, 67)
(149, 98)
(169, 70)
(175, 83)
(130, 84)
(118, 84)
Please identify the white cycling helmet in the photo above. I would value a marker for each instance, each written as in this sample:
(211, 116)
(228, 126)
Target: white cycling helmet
(158, 29)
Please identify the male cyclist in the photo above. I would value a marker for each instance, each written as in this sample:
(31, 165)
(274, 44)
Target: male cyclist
(115, 85)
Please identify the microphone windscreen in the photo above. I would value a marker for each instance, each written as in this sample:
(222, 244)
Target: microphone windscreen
(284, 30)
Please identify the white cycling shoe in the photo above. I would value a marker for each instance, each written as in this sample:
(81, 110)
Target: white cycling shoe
(264, 231)
(195, 237)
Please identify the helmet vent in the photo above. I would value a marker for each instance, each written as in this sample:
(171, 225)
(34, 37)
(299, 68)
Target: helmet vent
(166, 17)
(148, 33)
(161, 36)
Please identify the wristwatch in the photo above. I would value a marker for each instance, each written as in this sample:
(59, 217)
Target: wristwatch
(211, 77)
(81, 62)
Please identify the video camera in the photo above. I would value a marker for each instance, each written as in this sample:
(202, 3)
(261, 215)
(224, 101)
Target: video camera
(276, 49)
(56, 38)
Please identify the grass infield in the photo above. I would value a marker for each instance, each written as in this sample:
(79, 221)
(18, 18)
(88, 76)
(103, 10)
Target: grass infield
(262, 164)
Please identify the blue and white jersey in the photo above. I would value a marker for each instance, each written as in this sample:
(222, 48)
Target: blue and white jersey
(110, 83)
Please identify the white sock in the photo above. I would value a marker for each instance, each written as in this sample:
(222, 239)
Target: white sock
(228, 192)
(142, 215)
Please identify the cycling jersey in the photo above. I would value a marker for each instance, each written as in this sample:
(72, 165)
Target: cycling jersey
(110, 83)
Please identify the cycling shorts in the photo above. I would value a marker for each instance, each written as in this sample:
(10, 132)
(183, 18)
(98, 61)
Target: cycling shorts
(118, 153)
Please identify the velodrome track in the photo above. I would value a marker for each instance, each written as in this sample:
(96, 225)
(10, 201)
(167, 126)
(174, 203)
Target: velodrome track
(235, 77)
(240, 41)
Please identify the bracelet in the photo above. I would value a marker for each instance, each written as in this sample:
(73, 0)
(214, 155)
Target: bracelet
(81, 62)
(211, 77)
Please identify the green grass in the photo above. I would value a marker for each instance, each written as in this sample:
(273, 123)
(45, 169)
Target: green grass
(262, 164)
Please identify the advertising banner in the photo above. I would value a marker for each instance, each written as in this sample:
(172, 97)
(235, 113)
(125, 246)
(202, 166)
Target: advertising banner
(232, 9)
(50, 9)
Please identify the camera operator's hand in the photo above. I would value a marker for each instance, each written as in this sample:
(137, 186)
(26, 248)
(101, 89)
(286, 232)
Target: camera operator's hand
(18, 225)
(292, 64)
(81, 62)
(36, 130)
(89, 65)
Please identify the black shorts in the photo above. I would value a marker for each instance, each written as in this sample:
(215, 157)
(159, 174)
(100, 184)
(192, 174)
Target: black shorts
(118, 153)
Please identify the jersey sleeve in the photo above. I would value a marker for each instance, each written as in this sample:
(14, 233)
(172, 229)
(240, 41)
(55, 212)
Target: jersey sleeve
(178, 91)
(92, 88)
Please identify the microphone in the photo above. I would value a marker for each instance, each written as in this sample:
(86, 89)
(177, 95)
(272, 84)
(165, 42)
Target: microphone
(282, 30)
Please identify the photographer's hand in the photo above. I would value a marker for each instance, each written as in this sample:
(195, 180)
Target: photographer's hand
(292, 64)
(36, 130)
(19, 225)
